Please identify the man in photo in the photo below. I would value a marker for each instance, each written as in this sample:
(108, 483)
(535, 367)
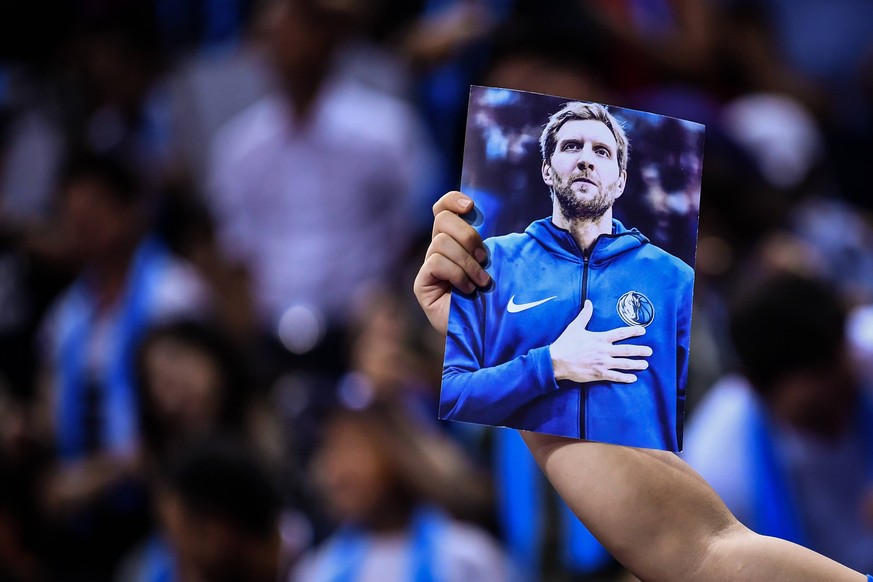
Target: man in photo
(585, 330)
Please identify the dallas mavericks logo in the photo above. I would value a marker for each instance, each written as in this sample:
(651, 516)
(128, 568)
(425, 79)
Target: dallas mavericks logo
(634, 308)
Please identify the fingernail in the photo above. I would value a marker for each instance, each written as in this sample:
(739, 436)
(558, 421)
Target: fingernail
(483, 278)
(649, 352)
(464, 203)
(480, 254)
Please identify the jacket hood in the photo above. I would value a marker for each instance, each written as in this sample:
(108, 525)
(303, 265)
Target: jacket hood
(606, 247)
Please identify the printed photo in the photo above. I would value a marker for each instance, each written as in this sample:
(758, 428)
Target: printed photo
(589, 216)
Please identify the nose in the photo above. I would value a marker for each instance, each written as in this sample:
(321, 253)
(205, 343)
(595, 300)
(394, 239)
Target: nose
(586, 158)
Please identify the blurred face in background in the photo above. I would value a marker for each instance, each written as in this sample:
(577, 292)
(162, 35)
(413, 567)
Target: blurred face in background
(185, 387)
(353, 472)
(208, 548)
(819, 399)
(299, 40)
(96, 223)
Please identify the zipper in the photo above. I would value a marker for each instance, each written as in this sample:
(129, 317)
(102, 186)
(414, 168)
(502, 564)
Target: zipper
(586, 255)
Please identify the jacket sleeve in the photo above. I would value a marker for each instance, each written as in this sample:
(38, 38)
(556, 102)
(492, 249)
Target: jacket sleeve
(487, 395)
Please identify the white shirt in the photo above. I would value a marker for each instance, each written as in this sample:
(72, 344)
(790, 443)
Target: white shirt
(317, 209)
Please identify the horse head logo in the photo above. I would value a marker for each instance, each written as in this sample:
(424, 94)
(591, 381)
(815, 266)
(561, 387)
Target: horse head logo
(634, 308)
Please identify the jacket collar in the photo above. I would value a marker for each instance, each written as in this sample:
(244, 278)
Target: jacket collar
(606, 247)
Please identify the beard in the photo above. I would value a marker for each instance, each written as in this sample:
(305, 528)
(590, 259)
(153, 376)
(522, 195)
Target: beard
(575, 208)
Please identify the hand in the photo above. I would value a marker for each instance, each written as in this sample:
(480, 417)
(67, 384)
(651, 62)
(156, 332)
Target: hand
(587, 356)
(453, 259)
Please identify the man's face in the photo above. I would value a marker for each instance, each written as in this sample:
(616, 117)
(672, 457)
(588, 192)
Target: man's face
(352, 472)
(95, 223)
(583, 172)
(207, 547)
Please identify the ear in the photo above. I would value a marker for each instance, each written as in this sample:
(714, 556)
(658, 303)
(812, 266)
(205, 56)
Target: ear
(547, 174)
(620, 184)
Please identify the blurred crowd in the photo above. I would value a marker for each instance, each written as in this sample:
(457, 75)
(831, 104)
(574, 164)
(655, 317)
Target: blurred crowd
(212, 367)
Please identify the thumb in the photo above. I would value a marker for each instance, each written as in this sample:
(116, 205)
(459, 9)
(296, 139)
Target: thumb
(585, 315)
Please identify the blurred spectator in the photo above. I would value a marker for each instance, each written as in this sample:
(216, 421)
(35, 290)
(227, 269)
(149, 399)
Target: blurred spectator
(222, 513)
(193, 385)
(117, 101)
(194, 389)
(311, 184)
(388, 359)
(789, 446)
(387, 484)
(128, 282)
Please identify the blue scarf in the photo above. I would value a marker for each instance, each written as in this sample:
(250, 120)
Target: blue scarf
(348, 550)
(116, 380)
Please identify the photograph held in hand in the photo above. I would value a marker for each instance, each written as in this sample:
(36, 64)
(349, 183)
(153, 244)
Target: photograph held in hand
(584, 329)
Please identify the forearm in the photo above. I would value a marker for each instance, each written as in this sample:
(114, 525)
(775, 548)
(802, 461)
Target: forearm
(745, 555)
(644, 506)
(662, 521)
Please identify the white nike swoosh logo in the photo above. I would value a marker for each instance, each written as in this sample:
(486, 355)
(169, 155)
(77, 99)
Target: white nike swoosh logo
(514, 307)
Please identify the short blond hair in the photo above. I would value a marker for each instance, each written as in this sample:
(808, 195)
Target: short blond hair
(578, 110)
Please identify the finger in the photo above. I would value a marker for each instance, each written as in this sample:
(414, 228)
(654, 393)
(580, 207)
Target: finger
(620, 377)
(453, 202)
(445, 245)
(438, 268)
(585, 315)
(623, 333)
(630, 351)
(626, 364)
(454, 226)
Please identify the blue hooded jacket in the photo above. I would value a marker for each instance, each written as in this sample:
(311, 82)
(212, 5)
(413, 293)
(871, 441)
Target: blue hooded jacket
(498, 367)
